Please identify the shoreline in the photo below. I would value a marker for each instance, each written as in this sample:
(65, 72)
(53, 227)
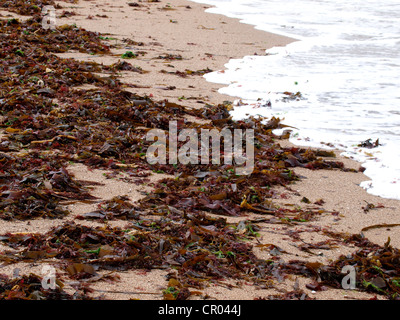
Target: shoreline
(339, 190)
(392, 204)
(381, 176)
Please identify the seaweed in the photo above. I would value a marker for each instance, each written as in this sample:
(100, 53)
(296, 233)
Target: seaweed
(376, 267)
(368, 144)
(29, 287)
(49, 121)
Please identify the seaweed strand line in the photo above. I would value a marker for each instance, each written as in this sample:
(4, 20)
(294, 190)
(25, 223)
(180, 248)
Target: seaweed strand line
(48, 122)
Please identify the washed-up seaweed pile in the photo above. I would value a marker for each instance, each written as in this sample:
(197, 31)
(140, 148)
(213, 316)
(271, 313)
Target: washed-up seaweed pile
(29, 7)
(49, 122)
(29, 287)
(376, 267)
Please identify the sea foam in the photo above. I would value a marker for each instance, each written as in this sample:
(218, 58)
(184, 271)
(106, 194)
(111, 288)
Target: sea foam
(343, 74)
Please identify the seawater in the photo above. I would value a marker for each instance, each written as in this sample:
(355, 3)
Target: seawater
(345, 67)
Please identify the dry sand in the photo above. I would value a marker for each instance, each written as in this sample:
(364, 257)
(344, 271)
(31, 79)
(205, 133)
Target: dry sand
(208, 41)
(176, 28)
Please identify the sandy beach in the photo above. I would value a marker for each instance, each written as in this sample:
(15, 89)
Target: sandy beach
(179, 36)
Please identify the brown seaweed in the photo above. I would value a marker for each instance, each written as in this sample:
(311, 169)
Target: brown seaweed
(50, 122)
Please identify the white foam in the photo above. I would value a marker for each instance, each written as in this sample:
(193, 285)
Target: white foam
(346, 67)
